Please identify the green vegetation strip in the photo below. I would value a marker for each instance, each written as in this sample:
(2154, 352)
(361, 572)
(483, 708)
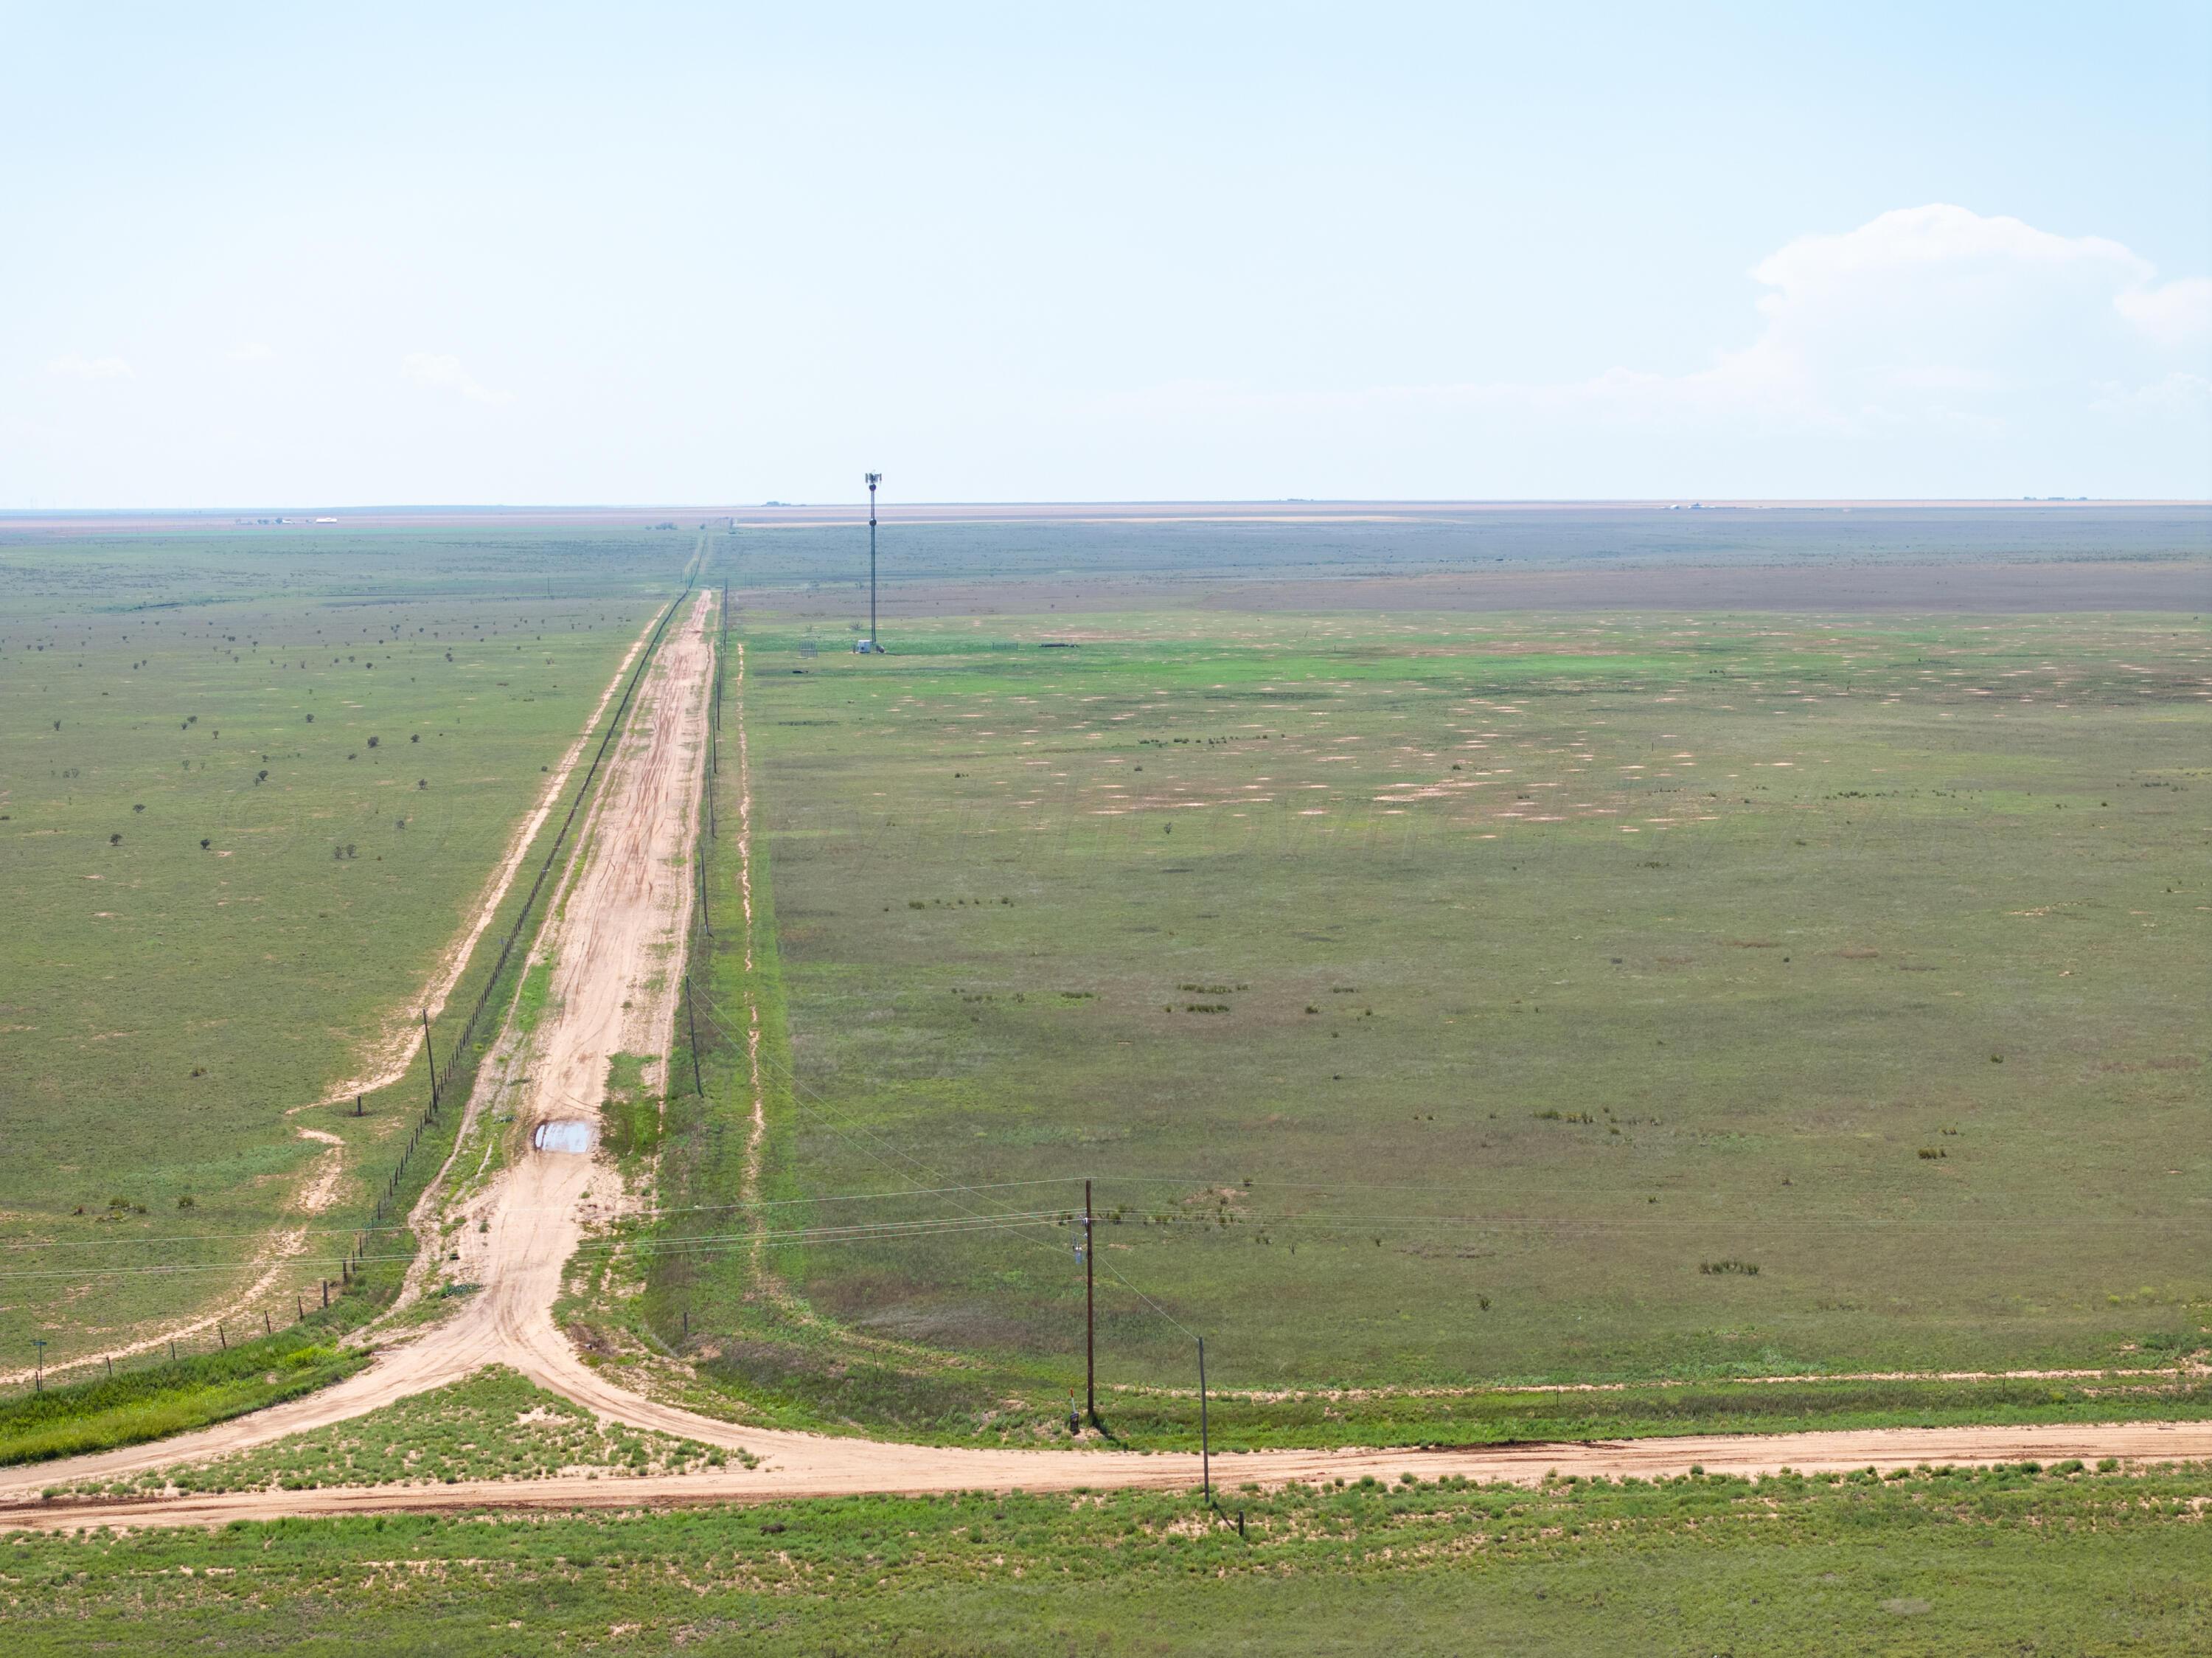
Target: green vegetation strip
(169, 1399)
(2013, 1558)
(816, 1382)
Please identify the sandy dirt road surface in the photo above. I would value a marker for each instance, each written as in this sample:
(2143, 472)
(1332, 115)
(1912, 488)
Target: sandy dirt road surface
(613, 992)
(803, 1466)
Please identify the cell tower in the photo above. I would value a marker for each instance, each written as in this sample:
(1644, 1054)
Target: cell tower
(875, 642)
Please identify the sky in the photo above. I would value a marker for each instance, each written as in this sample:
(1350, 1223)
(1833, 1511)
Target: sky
(311, 255)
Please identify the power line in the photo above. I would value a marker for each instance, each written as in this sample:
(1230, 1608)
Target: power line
(796, 1087)
(646, 1214)
(861, 1233)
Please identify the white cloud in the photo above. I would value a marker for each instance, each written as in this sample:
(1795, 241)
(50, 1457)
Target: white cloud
(1935, 314)
(73, 367)
(2178, 314)
(446, 374)
(1931, 345)
(2180, 394)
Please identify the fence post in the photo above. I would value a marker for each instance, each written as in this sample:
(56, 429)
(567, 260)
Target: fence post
(1205, 1445)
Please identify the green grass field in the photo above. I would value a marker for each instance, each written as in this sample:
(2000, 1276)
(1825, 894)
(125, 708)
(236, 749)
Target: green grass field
(1444, 1000)
(249, 790)
(2012, 1559)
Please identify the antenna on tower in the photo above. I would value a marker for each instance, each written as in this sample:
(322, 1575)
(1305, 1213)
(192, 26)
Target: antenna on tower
(871, 644)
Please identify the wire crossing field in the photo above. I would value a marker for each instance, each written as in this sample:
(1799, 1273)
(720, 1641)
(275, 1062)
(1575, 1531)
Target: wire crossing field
(249, 791)
(1449, 998)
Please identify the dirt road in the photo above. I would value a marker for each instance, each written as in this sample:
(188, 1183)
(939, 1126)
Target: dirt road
(800, 1465)
(627, 905)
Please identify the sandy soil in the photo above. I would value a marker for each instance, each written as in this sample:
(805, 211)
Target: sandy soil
(627, 903)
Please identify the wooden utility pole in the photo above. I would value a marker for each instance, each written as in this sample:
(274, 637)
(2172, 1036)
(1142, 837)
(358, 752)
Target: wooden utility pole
(431, 1056)
(692, 1024)
(1090, 1312)
(1205, 1444)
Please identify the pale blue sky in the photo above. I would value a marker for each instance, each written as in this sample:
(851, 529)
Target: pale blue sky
(304, 255)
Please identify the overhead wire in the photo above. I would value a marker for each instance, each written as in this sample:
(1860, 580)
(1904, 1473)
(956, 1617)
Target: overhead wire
(795, 1088)
(683, 1208)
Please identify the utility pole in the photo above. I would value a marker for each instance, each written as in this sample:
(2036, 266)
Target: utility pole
(874, 642)
(692, 1025)
(1090, 1312)
(431, 1056)
(38, 1377)
(1205, 1443)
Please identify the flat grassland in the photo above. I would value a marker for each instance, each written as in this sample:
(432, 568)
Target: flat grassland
(251, 786)
(1445, 998)
(1940, 1562)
